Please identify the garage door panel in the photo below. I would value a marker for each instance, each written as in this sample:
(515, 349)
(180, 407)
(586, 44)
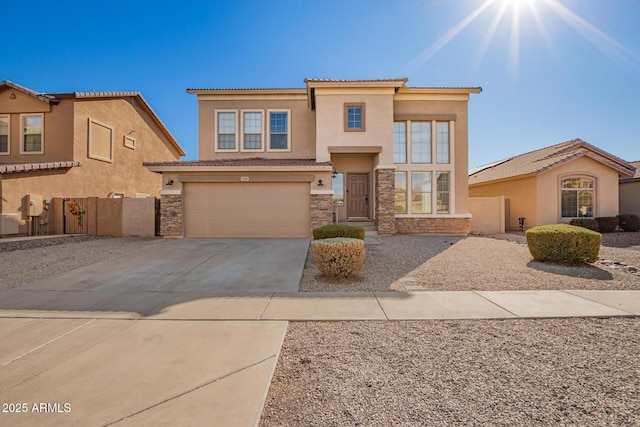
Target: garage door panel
(228, 210)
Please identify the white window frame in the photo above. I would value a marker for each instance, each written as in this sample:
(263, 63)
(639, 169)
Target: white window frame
(93, 156)
(22, 150)
(577, 175)
(8, 152)
(262, 141)
(268, 124)
(132, 144)
(216, 133)
(432, 167)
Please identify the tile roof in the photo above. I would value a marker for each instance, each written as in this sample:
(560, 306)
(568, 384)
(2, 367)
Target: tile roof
(250, 161)
(26, 167)
(538, 161)
(400, 79)
(637, 173)
(40, 96)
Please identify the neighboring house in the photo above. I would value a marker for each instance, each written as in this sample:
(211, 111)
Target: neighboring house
(630, 192)
(279, 162)
(554, 184)
(77, 144)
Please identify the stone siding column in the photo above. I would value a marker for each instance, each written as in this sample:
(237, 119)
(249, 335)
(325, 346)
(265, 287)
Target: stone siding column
(171, 215)
(385, 201)
(321, 210)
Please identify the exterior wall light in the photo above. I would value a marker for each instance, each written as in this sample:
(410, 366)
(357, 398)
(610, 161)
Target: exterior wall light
(320, 183)
(170, 182)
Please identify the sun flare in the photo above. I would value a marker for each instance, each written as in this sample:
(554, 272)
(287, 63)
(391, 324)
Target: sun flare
(513, 13)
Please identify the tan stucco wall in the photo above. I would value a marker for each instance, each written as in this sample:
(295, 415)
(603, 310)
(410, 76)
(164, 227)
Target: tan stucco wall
(378, 111)
(57, 123)
(488, 214)
(521, 196)
(630, 197)
(548, 199)
(302, 122)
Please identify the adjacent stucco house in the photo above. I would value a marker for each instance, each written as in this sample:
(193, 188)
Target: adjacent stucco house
(279, 162)
(76, 144)
(554, 184)
(630, 192)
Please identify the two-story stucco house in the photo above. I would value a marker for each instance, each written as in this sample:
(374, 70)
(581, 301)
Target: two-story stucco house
(279, 162)
(76, 144)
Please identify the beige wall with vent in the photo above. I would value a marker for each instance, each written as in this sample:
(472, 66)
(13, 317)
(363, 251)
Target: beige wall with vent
(521, 195)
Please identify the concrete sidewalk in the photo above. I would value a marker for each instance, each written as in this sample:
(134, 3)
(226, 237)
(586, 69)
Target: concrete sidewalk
(327, 306)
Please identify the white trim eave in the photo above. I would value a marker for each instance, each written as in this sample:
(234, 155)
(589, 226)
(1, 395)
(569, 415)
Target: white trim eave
(385, 167)
(183, 169)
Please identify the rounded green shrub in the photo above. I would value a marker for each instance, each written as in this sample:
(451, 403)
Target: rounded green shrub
(339, 256)
(629, 222)
(588, 223)
(563, 243)
(338, 230)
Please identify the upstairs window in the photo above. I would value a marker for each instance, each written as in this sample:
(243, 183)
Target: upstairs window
(252, 130)
(279, 134)
(420, 142)
(400, 142)
(4, 134)
(100, 141)
(354, 117)
(577, 197)
(442, 142)
(226, 131)
(32, 135)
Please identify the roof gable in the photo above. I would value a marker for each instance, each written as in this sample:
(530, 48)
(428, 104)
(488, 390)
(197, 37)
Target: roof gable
(39, 96)
(544, 159)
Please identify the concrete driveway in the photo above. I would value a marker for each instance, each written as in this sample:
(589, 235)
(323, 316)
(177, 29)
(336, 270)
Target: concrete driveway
(167, 272)
(129, 341)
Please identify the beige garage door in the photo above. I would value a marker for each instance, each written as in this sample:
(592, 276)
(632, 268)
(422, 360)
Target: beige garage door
(228, 210)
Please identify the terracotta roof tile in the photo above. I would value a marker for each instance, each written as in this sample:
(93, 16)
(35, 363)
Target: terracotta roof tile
(26, 167)
(541, 160)
(250, 161)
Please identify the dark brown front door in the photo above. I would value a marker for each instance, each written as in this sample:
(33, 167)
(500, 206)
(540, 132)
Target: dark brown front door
(358, 195)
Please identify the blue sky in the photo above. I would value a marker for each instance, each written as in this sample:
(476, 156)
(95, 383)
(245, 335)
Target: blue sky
(571, 70)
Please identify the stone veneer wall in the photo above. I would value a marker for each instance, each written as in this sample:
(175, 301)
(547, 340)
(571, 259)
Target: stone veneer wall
(321, 208)
(385, 199)
(433, 225)
(171, 215)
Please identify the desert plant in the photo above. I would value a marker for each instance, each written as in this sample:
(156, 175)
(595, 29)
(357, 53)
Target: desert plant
(588, 223)
(563, 243)
(339, 256)
(629, 222)
(338, 230)
(607, 224)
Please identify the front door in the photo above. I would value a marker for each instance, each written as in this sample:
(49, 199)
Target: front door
(358, 195)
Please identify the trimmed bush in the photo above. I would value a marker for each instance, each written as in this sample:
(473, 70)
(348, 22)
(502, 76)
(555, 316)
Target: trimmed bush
(338, 230)
(339, 256)
(629, 222)
(588, 223)
(563, 243)
(607, 224)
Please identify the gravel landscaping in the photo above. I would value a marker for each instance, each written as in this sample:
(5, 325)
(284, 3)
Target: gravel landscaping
(438, 263)
(581, 372)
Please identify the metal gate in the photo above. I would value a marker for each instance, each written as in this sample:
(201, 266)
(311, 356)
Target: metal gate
(75, 215)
